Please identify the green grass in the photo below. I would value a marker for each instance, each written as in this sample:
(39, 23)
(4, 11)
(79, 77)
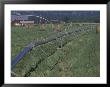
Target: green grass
(79, 57)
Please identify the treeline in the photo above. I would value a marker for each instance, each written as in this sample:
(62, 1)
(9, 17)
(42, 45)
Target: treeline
(66, 16)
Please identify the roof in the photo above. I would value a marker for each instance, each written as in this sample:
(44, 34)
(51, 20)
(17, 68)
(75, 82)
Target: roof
(55, 21)
(20, 17)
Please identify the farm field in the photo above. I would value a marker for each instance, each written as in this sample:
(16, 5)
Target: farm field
(78, 57)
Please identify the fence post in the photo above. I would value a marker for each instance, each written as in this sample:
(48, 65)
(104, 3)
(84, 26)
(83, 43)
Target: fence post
(61, 42)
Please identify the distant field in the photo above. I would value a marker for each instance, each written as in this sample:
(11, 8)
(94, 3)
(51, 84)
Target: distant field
(79, 56)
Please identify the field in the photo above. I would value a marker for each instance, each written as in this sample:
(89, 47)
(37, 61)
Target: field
(78, 57)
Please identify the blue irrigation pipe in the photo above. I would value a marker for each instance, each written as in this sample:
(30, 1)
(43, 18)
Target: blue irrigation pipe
(21, 54)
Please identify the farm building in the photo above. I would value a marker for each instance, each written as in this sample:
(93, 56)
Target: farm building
(27, 20)
(22, 20)
(27, 23)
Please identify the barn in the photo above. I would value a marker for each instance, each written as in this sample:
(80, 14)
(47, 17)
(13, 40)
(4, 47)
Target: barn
(22, 20)
(27, 23)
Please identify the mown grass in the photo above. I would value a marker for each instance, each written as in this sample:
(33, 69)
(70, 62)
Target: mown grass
(79, 57)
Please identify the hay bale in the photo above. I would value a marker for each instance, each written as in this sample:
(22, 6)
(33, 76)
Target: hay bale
(98, 28)
(58, 28)
(42, 27)
(52, 26)
(80, 24)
